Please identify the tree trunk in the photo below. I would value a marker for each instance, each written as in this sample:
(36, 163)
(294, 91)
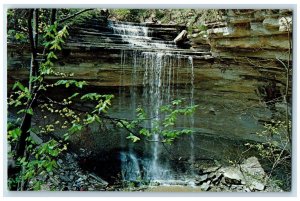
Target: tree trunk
(26, 123)
(53, 16)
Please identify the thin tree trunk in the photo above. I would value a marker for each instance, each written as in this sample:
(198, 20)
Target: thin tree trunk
(26, 123)
(36, 28)
(53, 16)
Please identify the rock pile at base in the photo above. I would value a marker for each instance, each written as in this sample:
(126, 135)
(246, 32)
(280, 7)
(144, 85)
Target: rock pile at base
(246, 177)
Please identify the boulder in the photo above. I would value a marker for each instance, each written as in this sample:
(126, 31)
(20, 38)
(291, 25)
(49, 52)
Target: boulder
(233, 175)
(256, 185)
(251, 166)
(217, 178)
(285, 23)
(201, 179)
(205, 186)
(254, 174)
(36, 138)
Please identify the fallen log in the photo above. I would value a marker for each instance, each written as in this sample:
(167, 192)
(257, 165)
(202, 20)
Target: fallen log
(182, 36)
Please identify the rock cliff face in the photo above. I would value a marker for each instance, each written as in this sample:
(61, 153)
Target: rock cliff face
(235, 95)
(252, 33)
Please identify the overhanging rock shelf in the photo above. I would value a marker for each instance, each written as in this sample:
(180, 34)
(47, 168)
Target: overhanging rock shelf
(113, 36)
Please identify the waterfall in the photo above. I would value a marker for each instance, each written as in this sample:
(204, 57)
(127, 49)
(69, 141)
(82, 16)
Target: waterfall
(130, 167)
(139, 36)
(154, 65)
(192, 121)
(159, 66)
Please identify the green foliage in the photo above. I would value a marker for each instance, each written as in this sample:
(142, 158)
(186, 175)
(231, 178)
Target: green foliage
(275, 148)
(68, 83)
(13, 135)
(131, 15)
(164, 126)
(42, 158)
(122, 13)
(276, 141)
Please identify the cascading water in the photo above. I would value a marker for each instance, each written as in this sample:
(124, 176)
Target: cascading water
(130, 167)
(139, 36)
(160, 65)
(192, 121)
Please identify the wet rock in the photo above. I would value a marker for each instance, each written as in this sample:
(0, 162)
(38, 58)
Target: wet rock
(211, 169)
(45, 187)
(201, 179)
(205, 186)
(216, 180)
(72, 177)
(104, 183)
(236, 187)
(90, 189)
(36, 138)
(54, 181)
(64, 178)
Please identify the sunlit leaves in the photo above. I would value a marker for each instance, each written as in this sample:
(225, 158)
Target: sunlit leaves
(133, 138)
(28, 111)
(104, 101)
(73, 96)
(68, 83)
(18, 85)
(75, 128)
(14, 134)
(92, 118)
(164, 127)
(51, 55)
(145, 132)
(92, 96)
(275, 145)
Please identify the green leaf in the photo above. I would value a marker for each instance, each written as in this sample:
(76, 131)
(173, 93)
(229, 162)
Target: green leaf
(14, 134)
(73, 96)
(37, 186)
(75, 128)
(51, 55)
(28, 111)
(145, 132)
(133, 138)
(19, 85)
(80, 84)
(91, 96)
(20, 36)
(176, 102)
